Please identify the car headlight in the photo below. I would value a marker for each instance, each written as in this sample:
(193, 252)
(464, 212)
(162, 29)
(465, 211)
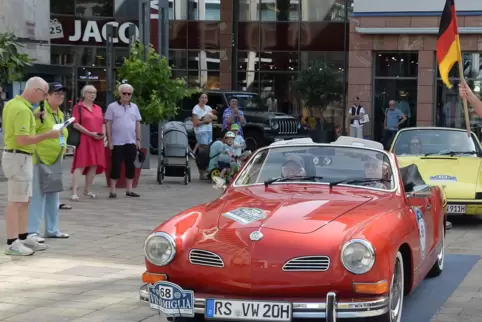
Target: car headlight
(160, 248)
(358, 256)
(274, 125)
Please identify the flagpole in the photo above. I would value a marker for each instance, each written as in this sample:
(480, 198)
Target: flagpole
(466, 109)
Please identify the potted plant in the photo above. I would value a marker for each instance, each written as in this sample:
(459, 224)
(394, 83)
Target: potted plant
(156, 93)
(319, 85)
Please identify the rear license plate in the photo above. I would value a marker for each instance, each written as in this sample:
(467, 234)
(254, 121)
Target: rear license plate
(248, 310)
(456, 209)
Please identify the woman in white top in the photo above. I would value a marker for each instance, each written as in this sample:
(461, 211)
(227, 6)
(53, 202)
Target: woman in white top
(202, 117)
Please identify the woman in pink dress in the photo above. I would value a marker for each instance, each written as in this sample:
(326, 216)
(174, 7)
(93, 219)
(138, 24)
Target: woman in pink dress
(89, 155)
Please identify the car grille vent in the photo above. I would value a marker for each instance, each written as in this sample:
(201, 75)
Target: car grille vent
(205, 258)
(478, 195)
(287, 127)
(307, 264)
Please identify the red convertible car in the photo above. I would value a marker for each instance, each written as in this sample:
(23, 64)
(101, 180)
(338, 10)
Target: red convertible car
(304, 230)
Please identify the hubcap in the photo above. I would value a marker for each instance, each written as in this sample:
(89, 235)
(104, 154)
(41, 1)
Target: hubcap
(396, 292)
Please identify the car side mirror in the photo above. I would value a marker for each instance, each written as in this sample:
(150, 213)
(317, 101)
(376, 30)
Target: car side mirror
(420, 191)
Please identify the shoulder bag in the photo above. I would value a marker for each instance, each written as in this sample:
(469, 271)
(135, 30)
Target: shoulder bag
(74, 134)
(50, 176)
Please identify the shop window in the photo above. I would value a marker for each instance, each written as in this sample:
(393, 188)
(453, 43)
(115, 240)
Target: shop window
(248, 60)
(472, 67)
(248, 81)
(120, 54)
(204, 10)
(203, 35)
(403, 92)
(327, 10)
(279, 10)
(178, 59)
(322, 36)
(177, 34)
(63, 7)
(249, 10)
(248, 36)
(90, 56)
(279, 61)
(204, 60)
(275, 90)
(62, 55)
(94, 8)
(281, 36)
(396, 65)
(204, 79)
(335, 58)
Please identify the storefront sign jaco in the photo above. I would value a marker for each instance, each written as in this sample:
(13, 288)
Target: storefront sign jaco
(88, 31)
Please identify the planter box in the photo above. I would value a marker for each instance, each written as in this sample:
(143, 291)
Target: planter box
(121, 183)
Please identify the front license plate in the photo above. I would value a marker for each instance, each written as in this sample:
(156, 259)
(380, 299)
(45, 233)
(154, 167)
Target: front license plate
(248, 310)
(171, 299)
(456, 209)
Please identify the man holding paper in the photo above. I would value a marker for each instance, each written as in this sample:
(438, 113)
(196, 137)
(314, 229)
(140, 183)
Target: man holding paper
(48, 155)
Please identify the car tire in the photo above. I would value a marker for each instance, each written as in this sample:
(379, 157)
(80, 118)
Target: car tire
(397, 286)
(254, 140)
(438, 266)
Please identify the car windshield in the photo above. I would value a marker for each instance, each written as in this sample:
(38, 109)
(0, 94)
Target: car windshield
(319, 164)
(248, 101)
(435, 142)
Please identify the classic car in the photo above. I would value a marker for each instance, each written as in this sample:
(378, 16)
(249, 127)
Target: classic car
(304, 230)
(448, 158)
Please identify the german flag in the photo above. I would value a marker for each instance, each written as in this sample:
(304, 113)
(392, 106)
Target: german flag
(448, 44)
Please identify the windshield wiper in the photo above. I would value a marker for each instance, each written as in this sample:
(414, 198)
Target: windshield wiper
(283, 179)
(452, 153)
(363, 180)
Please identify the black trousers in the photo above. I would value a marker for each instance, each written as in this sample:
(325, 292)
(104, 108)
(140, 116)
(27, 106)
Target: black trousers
(123, 154)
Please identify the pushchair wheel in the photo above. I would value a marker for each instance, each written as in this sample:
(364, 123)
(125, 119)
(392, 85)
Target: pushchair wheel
(160, 175)
(214, 173)
(186, 179)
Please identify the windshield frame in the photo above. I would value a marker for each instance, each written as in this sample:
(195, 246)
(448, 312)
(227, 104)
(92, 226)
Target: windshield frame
(478, 148)
(390, 156)
(243, 107)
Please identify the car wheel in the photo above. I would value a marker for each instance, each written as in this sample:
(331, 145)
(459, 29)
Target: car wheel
(395, 299)
(438, 267)
(254, 140)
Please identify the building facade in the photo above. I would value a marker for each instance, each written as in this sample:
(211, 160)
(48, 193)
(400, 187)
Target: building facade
(393, 57)
(273, 39)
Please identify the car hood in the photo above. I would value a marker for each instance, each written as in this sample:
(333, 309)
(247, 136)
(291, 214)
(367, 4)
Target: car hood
(458, 176)
(293, 212)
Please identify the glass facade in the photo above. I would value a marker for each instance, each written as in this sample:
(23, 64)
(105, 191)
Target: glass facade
(395, 78)
(449, 109)
(277, 38)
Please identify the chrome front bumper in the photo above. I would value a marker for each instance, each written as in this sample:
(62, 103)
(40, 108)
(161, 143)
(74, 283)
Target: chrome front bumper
(331, 310)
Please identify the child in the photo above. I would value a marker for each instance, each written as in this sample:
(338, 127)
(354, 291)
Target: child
(239, 143)
(227, 154)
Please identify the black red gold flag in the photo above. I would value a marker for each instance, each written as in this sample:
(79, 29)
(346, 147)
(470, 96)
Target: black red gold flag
(448, 43)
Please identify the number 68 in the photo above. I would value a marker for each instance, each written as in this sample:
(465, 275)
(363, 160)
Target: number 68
(165, 293)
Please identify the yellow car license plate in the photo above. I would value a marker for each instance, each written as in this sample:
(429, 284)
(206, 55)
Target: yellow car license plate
(456, 209)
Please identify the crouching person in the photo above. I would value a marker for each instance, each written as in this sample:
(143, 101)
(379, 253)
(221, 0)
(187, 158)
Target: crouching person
(48, 158)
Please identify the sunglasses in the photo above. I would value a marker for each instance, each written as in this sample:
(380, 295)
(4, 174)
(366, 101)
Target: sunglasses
(126, 94)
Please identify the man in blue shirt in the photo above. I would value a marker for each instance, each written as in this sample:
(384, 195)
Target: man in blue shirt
(233, 115)
(393, 119)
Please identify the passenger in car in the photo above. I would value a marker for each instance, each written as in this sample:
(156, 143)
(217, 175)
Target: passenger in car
(293, 167)
(377, 170)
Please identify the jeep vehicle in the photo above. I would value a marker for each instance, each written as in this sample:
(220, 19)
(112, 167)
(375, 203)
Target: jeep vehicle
(262, 127)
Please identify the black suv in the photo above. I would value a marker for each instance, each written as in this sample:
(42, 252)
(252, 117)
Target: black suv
(262, 127)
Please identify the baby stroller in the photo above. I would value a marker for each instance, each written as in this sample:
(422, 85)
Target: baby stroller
(174, 154)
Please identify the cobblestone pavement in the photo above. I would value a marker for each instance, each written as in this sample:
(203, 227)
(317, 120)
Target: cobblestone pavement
(95, 275)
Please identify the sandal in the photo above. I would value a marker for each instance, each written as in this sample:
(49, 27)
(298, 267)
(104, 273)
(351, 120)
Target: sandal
(65, 206)
(74, 198)
(90, 195)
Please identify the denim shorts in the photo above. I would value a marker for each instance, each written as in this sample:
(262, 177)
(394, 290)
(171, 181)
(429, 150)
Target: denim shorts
(204, 137)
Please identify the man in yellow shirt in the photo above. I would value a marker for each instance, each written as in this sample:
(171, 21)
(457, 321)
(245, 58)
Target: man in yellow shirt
(20, 139)
(49, 151)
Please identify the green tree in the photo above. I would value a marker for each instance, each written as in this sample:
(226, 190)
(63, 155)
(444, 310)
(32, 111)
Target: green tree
(12, 61)
(155, 91)
(319, 84)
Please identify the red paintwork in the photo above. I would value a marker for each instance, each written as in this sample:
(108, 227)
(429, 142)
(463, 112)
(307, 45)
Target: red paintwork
(302, 220)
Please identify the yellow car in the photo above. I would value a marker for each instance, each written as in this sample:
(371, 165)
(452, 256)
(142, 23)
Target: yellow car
(447, 158)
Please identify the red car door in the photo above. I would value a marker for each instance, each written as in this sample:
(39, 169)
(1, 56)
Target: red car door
(421, 203)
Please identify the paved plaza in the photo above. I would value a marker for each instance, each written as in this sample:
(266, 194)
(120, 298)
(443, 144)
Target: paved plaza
(95, 275)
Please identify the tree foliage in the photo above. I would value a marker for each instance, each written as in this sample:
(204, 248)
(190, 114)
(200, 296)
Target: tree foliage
(319, 84)
(155, 91)
(12, 61)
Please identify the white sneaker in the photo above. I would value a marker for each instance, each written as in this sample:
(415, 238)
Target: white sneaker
(34, 245)
(18, 249)
(36, 237)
